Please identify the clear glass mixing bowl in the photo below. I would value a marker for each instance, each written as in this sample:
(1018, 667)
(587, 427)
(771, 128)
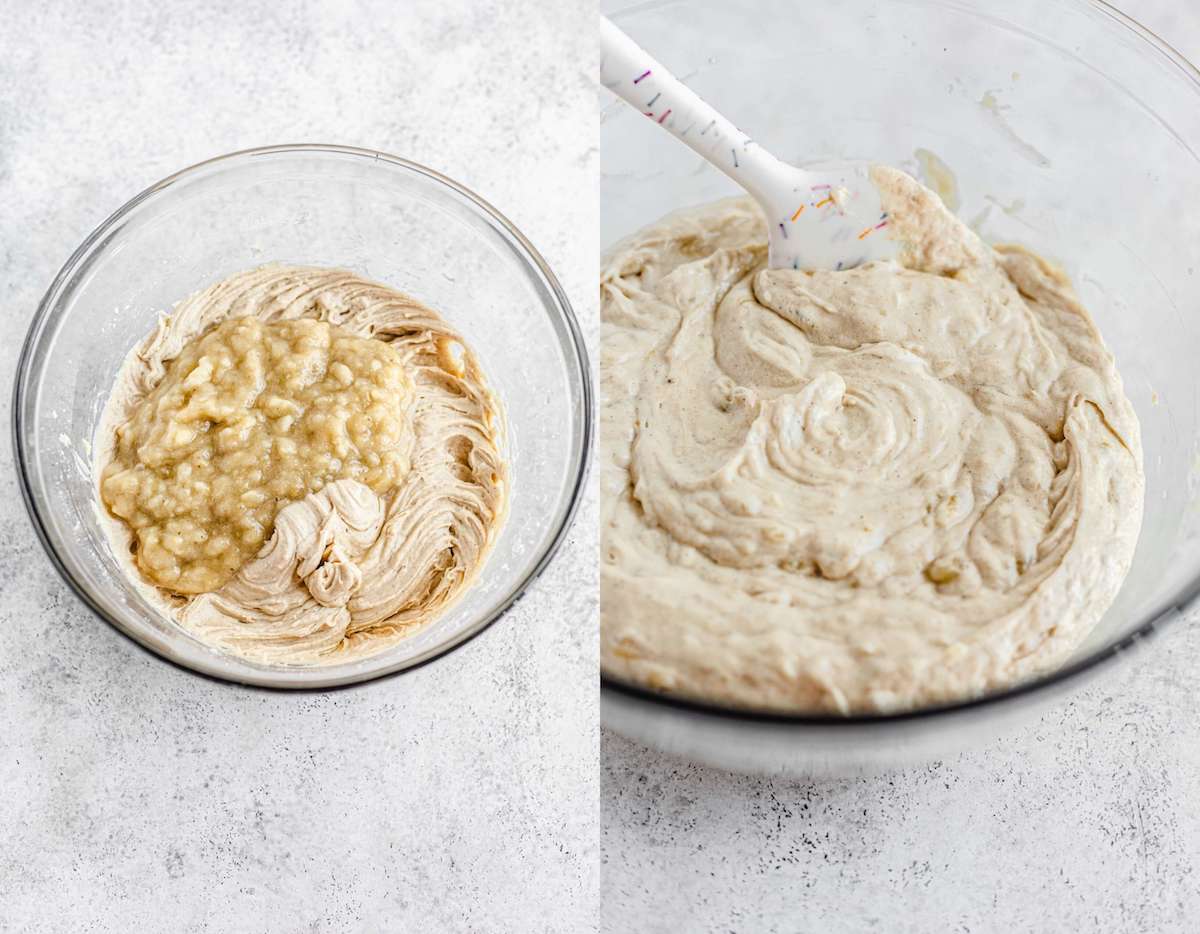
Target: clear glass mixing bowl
(387, 218)
(1068, 128)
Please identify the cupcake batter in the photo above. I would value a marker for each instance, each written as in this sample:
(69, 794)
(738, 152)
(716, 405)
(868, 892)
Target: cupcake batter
(899, 485)
(302, 466)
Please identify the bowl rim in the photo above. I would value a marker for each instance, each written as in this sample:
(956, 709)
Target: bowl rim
(1068, 676)
(574, 346)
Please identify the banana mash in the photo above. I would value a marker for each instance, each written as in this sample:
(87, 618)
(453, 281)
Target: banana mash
(302, 465)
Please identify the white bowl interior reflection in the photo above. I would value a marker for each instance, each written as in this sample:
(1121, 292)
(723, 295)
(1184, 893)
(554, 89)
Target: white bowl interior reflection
(385, 218)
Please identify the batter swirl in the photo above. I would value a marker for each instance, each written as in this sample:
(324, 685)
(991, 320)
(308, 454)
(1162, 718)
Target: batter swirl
(855, 491)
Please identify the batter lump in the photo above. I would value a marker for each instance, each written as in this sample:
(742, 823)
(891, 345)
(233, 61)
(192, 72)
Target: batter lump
(302, 466)
(857, 491)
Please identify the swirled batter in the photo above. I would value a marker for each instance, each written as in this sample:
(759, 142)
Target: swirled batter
(305, 465)
(854, 491)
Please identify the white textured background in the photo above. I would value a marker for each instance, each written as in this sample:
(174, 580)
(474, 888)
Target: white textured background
(135, 797)
(462, 797)
(1087, 821)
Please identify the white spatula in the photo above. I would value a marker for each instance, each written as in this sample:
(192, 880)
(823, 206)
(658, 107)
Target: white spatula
(830, 217)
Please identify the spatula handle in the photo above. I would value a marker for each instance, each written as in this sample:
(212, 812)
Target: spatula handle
(631, 73)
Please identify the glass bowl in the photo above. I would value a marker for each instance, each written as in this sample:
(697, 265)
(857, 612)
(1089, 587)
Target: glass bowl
(1066, 127)
(384, 217)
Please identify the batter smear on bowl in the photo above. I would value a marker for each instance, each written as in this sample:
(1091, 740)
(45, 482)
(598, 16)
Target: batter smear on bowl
(854, 491)
(303, 466)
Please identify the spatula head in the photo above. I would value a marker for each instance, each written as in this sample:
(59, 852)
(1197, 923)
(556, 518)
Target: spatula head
(829, 217)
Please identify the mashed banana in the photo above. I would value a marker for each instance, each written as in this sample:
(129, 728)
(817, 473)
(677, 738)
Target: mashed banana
(302, 466)
(251, 416)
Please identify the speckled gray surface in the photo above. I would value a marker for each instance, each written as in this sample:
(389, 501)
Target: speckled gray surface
(1087, 821)
(463, 796)
(136, 797)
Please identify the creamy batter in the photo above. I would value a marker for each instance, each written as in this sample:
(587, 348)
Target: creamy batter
(301, 466)
(861, 491)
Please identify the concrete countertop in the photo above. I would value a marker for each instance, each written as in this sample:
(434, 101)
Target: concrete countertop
(137, 797)
(1087, 821)
(462, 797)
